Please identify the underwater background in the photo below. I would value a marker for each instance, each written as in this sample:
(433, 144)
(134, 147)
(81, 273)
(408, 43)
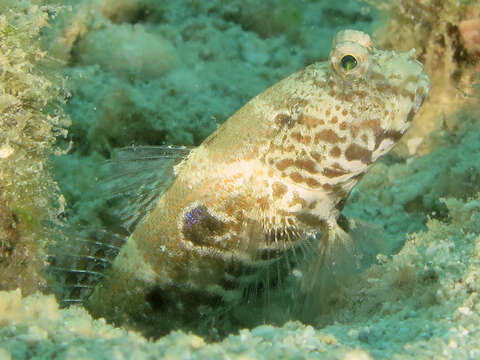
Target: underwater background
(81, 78)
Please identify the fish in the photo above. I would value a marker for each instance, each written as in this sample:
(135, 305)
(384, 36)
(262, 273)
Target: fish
(259, 200)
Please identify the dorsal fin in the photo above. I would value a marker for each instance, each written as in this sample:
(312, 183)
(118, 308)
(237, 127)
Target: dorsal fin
(136, 177)
(129, 184)
(78, 260)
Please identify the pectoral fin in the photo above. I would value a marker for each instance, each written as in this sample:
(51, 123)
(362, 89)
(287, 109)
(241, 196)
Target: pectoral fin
(342, 252)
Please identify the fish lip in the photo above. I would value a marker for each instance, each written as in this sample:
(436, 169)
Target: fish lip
(419, 100)
(421, 93)
(420, 97)
(424, 82)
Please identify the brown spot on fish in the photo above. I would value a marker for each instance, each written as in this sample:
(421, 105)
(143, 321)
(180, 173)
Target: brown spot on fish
(361, 94)
(263, 203)
(335, 152)
(296, 103)
(384, 88)
(298, 200)
(335, 171)
(408, 94)
(296, 177)
(370, 124)
(306, 164)
(329, 136)
(312, 183)
(283, 164)
(316, 156)
(279, 190)
(391, 134)
(297, 136)
(347, 97)
(356, 152)
(284, 120)
(310, 121)
(300, 138)
(199, 225)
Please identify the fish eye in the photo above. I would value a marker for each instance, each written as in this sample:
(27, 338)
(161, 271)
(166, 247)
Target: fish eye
(348, 62)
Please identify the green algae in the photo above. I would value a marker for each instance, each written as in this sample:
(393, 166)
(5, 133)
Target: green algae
(31, 119)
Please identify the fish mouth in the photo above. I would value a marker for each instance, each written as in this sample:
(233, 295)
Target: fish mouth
(423, 82)
(420, 96)
(419, 99)
(421, 92)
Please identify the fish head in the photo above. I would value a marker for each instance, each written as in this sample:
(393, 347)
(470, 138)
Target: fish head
(382, 89)
(336, 118)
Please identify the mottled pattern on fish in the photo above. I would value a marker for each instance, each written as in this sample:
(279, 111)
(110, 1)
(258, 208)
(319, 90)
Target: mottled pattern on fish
(245, 203)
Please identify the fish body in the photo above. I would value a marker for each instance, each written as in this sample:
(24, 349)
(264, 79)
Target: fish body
(271, 177)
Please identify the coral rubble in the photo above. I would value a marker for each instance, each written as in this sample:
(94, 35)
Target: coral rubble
(31, 118)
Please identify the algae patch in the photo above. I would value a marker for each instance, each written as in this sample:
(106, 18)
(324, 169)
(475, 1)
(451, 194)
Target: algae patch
(30, 96)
